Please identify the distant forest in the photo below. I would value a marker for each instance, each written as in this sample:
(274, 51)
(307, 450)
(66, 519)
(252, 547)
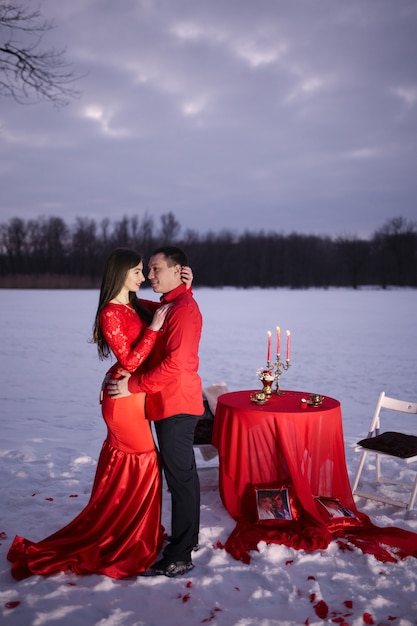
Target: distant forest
(47, 253)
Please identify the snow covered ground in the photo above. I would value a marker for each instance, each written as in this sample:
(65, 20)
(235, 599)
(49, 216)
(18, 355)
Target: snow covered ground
(346, 344)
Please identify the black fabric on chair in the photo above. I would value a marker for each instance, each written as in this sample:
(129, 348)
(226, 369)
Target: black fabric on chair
(204, 426)
(392, 443)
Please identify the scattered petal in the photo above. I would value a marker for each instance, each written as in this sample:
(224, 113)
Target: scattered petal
(321, 609)
(12, 605)
(49, 499)
(189, 584)
(74, 495)
(186, 597)
(289, 562)
(345, 546)
(212, 616)
(368, 619)
(311, 578)
(348, 604)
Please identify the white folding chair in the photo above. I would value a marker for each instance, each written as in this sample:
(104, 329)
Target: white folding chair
(393, 444)
(204, 428)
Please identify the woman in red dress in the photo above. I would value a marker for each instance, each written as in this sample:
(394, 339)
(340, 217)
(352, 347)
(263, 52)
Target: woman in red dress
(119, 532)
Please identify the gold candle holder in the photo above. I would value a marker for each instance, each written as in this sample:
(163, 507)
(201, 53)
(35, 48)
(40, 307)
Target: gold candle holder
(267, 376)
(280, 367)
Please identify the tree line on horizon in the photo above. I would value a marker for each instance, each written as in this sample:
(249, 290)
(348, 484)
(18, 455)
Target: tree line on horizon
(45, 252)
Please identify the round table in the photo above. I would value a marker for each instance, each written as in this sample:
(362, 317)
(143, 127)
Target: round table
(280, 442)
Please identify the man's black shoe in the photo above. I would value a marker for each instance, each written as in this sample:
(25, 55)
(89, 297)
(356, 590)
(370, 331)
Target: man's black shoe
(164, 567)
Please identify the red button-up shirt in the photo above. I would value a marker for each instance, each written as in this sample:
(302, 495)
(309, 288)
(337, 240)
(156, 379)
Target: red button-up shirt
(172, 383)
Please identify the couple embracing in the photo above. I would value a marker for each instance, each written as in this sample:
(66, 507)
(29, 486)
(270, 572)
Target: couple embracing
(119, 533)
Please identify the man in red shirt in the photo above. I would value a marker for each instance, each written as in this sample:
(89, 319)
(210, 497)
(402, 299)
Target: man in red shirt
(174, 402)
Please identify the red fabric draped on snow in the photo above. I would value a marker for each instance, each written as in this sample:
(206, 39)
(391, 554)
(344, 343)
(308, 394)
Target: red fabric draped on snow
(386, 544)
(281, 445)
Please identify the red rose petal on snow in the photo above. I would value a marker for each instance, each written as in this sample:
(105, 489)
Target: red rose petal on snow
(12, 605)
(368, 619)
(212, 616)
(49, 499)
(289, 562)
(186, 597)
(74, 495)
(189, 584)
(344, 546)
(311, 578)
(348, 604)
(321, 609)
(391, 618)
(312, 597)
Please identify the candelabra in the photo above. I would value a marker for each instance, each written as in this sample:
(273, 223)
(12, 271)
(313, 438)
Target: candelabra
(280, 368)
(266, 374)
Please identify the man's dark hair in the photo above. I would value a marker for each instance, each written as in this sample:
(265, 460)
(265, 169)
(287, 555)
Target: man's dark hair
(174, 255)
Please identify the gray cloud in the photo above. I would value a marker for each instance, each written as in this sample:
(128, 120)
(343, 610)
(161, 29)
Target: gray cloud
(288, 116)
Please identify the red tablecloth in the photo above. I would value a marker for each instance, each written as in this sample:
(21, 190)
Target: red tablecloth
(279, 444)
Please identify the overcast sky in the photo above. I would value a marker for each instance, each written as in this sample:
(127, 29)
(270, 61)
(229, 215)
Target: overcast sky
(275, 115)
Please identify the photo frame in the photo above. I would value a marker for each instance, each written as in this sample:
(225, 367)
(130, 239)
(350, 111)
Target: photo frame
(335, 508)
(273, 504)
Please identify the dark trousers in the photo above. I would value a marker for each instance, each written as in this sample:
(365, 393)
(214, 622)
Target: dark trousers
(175, 440)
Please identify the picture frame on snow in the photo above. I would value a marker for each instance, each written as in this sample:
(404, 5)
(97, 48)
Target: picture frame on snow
(273, 504)
(334, 507)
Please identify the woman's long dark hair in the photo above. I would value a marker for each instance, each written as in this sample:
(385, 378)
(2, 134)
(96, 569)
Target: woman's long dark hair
(120, 261)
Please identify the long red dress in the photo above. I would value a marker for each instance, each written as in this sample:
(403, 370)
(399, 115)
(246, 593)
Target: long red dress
(119, 532)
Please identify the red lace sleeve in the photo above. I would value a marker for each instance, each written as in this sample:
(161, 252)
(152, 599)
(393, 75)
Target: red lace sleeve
(121, 327)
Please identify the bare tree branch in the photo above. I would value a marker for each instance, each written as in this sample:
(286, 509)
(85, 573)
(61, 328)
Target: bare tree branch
(26, 68)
